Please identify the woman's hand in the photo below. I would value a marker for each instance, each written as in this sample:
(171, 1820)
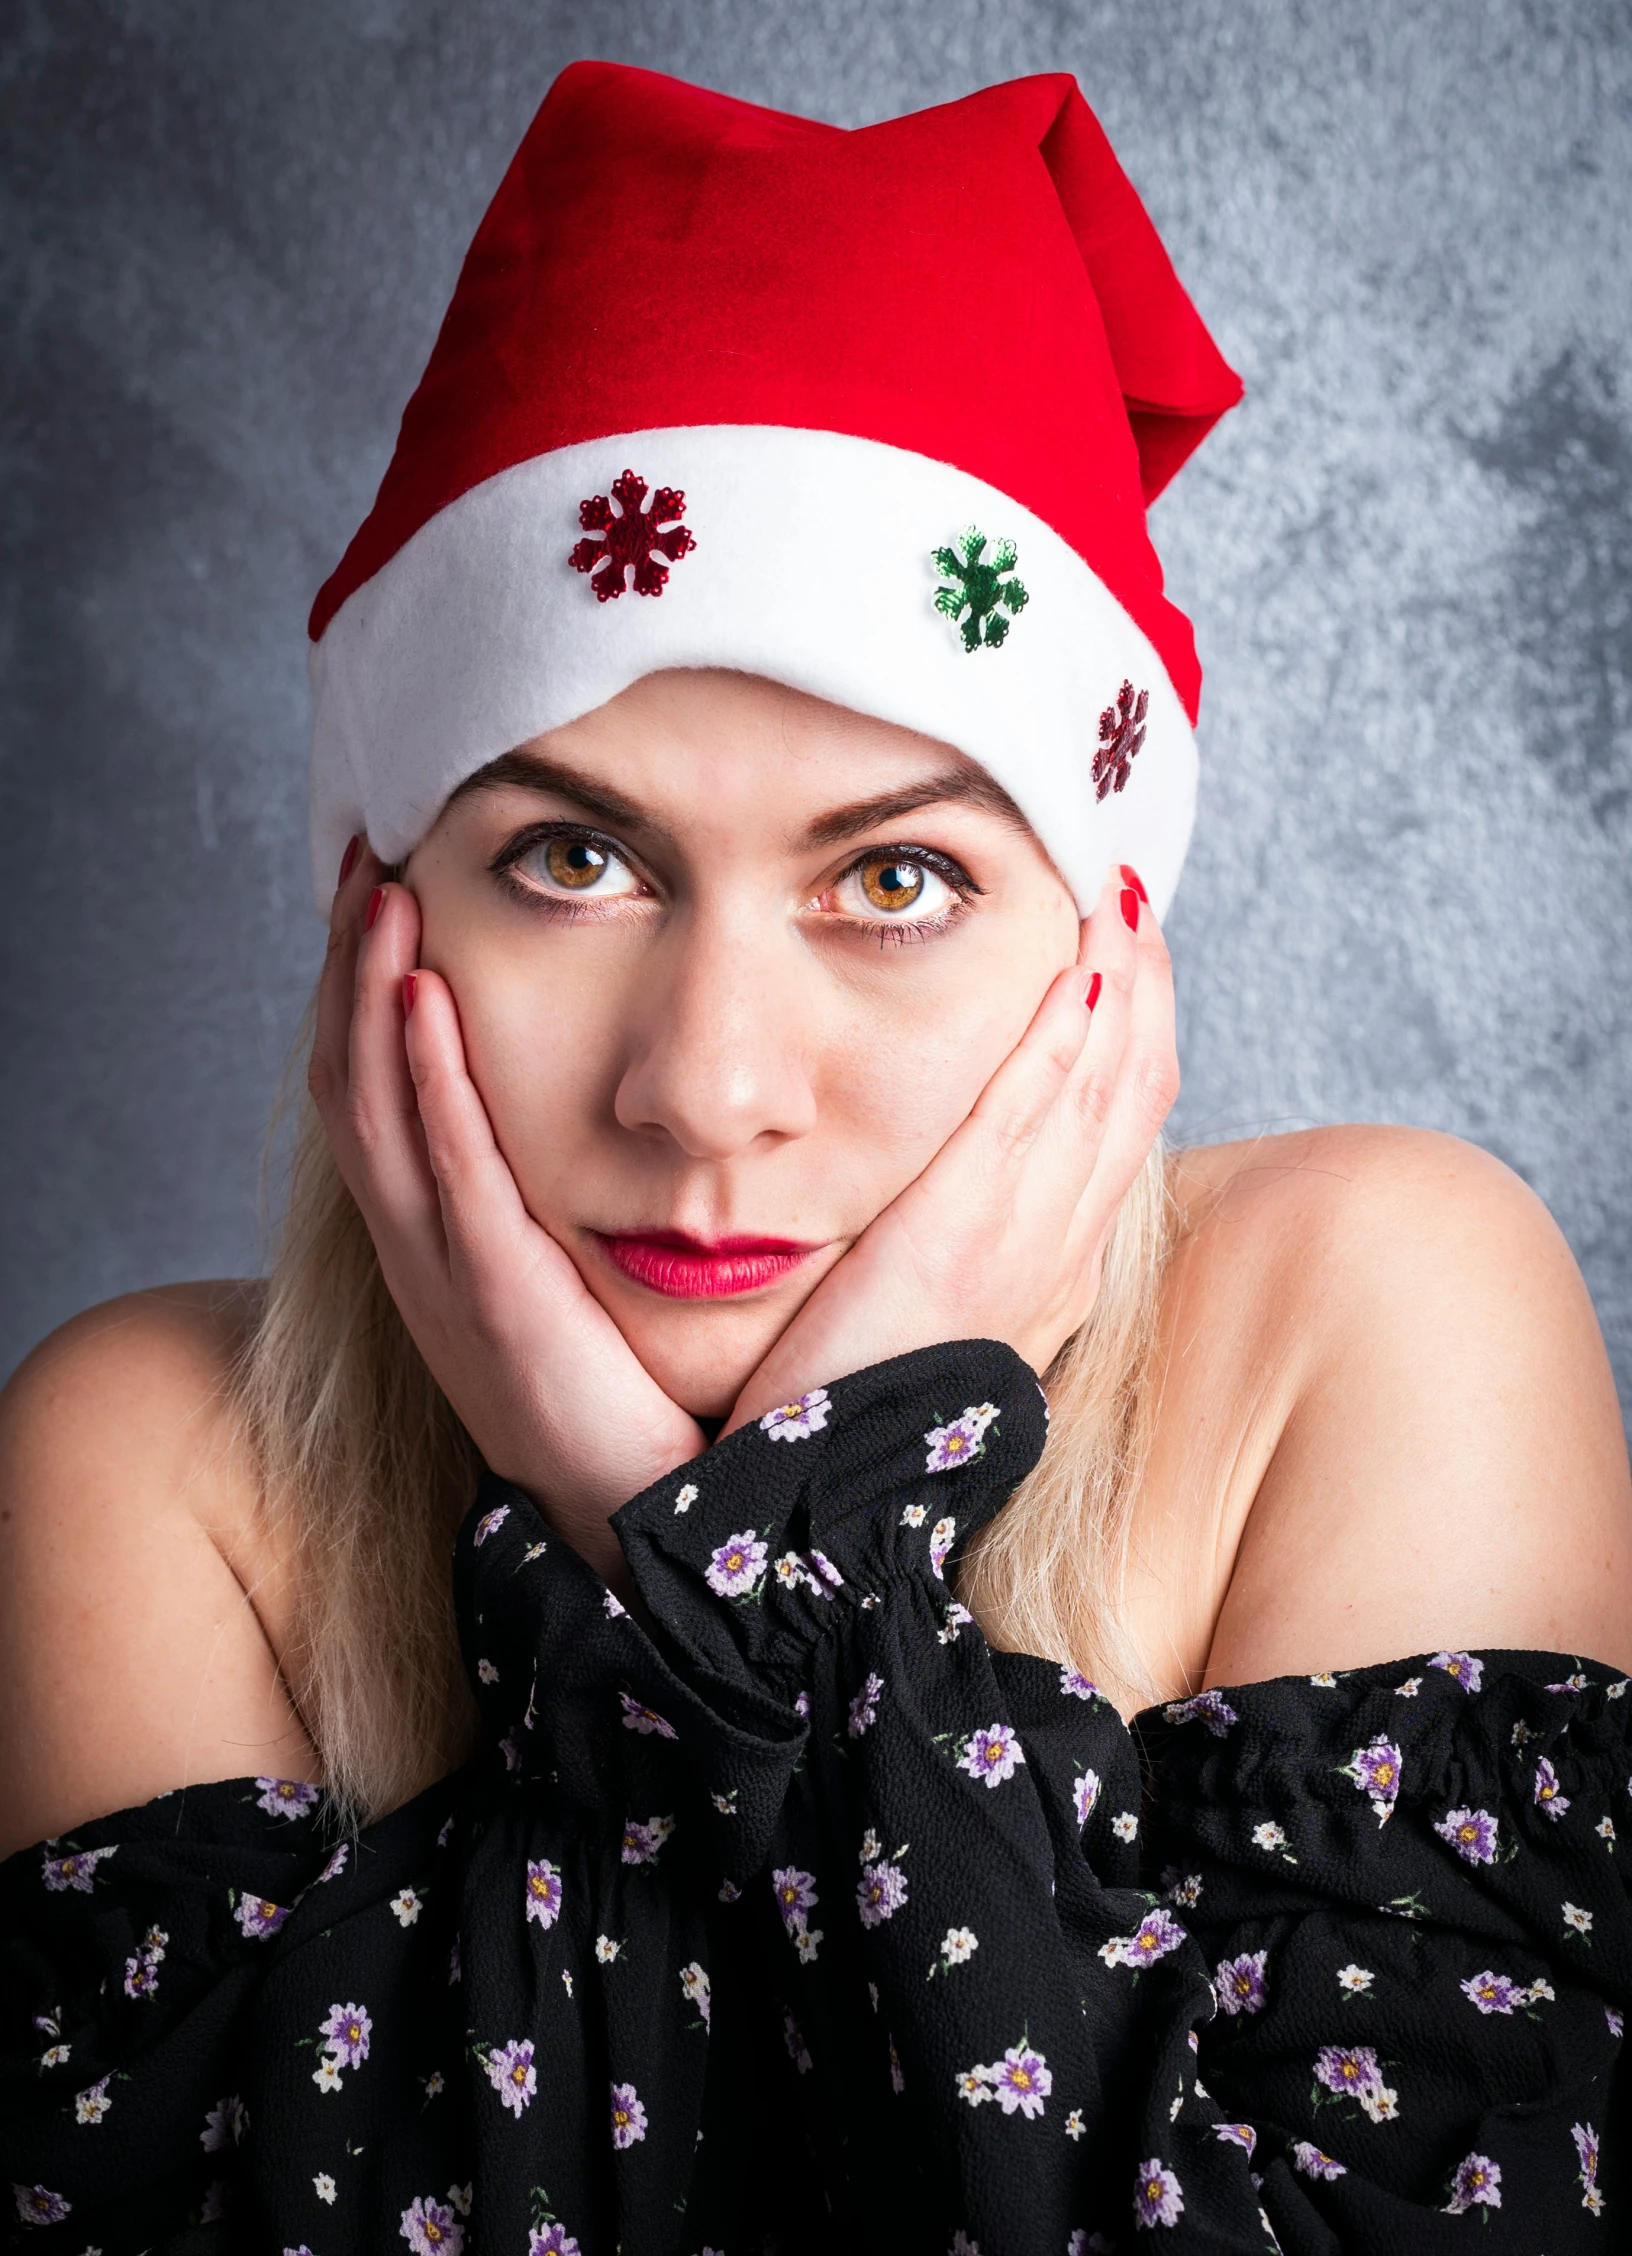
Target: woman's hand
(1003, 1235)
(495, 1306)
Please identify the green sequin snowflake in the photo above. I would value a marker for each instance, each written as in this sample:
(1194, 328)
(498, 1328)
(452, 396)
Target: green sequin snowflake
(980, 585)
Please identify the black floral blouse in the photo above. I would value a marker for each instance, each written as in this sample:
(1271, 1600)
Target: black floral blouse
(808, 1922)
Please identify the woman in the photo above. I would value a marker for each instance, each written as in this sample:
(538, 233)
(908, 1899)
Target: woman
(764, 1887)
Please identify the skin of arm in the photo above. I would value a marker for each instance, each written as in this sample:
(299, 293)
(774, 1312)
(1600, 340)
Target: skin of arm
(132, 1657)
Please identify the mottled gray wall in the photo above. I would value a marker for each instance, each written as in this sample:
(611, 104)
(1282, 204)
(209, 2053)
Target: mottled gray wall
(228, 233)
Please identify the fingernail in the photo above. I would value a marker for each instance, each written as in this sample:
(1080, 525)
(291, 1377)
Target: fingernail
(1130, 908)
(410, 981)
(1131, 877)
(348, 860)
(378, 895)
(1094, 985)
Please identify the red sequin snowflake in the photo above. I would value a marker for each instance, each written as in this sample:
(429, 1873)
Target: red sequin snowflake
(1121, 733)
(631, 538)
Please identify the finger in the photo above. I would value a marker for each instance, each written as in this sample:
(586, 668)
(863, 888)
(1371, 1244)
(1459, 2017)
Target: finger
(1110, 955)
(360, 872)
(381, 1116)
(1147, 1081)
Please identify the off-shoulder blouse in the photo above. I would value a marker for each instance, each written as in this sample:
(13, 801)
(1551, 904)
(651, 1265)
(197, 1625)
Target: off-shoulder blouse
(803, 1920)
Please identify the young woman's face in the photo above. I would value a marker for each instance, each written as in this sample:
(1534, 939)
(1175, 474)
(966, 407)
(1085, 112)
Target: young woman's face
(731, 965)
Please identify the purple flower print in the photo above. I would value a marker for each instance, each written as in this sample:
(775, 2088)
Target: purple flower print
(1157, 2199)
(38, 2205)
(1084, 1794)
(959, 1441)
(645, 1720)
(1471, 1833)
(1237, 2134)
(554, 2240)
(259, 1917)
(142, 1974)
(1020, 2081)
(224, 2125)
(798, 2050)
(337, 1863)
(488, 1523)
(795, 1895)
(1463, 1666)
(1494, 1993)
(543, 1893)
(1075, 1686)
(1547, 1794)
(1210, 1708)
(628, 2116)
(430, 2229)
(1241, 1984)
(1586, 2147)
(76, 1872)
(797, 1421)
(1156, 1934)
(1348, 2070)
(1477, 2183)
(880, 1893)
(511, 2072)
(1314, 2164)
(346, 2034)
(993, 1754)
(941, 1537)
(697, 1990)
(864, 1707)
(1376, 1772)
(737, 1565)
(284, 1797)
(642, 1842)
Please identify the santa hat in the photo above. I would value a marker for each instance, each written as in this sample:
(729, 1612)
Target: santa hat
(876, 414)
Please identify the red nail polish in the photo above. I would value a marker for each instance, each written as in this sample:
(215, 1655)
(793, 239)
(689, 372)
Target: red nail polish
(1130, 908)
(1131, 877)
(1094, 985)
(378, 895)
(348, 860)
(410, 981)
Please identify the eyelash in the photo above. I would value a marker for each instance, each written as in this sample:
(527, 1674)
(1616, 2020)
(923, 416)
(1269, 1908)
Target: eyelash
(963, 886)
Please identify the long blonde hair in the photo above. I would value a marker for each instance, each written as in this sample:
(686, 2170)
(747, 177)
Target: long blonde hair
(366, 1472)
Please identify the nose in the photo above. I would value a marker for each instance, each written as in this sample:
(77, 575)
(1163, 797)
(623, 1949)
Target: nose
(719, 1055)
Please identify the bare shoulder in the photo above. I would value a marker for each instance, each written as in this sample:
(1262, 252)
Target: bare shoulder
(133, 1652)
(1438, 1457)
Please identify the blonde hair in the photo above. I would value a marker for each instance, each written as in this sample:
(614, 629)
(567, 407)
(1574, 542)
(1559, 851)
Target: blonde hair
(366, 1473)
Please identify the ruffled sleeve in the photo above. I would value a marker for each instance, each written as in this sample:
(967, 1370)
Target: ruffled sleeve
(1410, 1885)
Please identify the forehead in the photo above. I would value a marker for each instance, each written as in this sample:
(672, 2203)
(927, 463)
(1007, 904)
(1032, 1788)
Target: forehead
(702, 747)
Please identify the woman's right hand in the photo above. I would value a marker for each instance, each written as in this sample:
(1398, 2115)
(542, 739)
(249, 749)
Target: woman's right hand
(495, 1306)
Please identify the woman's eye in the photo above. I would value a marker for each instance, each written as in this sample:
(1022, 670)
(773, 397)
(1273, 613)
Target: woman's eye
(578, 866)
(887, 887)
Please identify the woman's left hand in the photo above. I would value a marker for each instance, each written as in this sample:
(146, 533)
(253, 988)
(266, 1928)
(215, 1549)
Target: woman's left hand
(1003, 1235)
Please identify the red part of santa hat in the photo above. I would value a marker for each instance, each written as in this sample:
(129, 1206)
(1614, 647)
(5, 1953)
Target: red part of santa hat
(893, 401)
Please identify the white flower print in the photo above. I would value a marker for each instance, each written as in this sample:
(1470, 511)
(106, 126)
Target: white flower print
(973, 2086)
(797, 1421)
(959, 1945)
(1605, 1830)
(606, 1950)
(326, 2075)
(532, 1552)
(686, 1497)
(1084, 1794)
(1268, 1836)
(1075, 2127)
(940, 1545)
(1324, 1680)
(1521, 1733)
(1182, 1887)
(487, 1672)
(93, 2103)
(613, 1605)
(790, 1570)
(407, 1907)
(1406, 1691)
(54, 2055)
(864, 1707)
(913, 1515)
(807, 1941)
(1355, 1979)
(696, 1989)
(1381, 2103)
(323, 2187)
(1578, 1920)
(957, 1618)
(434, 2084)
(871, 1847)
(1125, 1825)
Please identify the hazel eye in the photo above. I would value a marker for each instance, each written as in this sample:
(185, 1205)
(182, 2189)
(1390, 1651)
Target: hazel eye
(579, 865)
(886, 886)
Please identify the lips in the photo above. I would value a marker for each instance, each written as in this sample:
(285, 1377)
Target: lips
(685, 1268)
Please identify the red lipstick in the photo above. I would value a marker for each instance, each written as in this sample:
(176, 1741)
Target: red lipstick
(684, 1268)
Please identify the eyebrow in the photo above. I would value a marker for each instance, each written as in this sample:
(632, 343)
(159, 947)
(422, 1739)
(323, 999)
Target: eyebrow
(961, 786)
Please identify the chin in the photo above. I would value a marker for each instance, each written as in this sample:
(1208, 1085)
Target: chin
(702, 1355)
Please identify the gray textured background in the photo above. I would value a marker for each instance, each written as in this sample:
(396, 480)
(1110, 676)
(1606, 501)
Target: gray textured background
(228, 234)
